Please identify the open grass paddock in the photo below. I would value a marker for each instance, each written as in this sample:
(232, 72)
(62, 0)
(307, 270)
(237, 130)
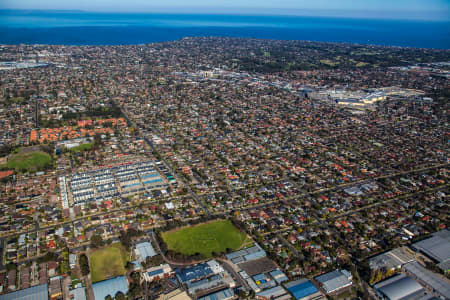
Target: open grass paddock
(215, 236)
(107, 262)
(29, 162)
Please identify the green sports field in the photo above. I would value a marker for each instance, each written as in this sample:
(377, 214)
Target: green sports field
(107, 262)
(29, 162)
(215, 236)
(82, 147)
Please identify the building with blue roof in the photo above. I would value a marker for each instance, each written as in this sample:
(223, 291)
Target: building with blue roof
(110, 287)
(38, 292)
(194, 273)
(303, 289)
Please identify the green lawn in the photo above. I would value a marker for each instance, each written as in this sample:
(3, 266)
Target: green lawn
(107, 262)
(82, 147)
(30, 162)
(215, 236)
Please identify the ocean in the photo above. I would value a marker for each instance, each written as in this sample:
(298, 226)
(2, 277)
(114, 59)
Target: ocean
(88, 28)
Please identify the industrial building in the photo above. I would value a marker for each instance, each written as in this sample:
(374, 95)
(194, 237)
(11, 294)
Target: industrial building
(437, 248)
(247, 254)
(278, 276)
(38, 292)
(335, 281)
(399, 287)
(224, 294)
(436, 283)
(278, 293)
(391, 260)
(303, 289)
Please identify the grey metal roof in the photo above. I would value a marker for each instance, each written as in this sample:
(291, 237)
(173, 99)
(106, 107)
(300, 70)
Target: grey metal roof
(391, 259)
(38, 292)
(247, 254)
(438, 283)
(205, 284)
(273, 292)
(220, 295)
(399, 287)
(436, 247)
(445, 234)
(333, 281)
(145, 250)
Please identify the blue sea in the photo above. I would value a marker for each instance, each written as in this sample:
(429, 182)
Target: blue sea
(88, 28)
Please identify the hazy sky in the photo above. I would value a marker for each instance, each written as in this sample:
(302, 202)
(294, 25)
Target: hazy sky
(417, 9)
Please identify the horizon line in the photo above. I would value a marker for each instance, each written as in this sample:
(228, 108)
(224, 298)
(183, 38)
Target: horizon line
(294, 12)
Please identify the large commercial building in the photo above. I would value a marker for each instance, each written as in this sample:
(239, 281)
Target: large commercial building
(247, 254)
(303, 289)
(277, 292)
(398, 288)
(392, 260)
(225, 294)
(437, 248)
(335, 281)
(38, 292)
(436, 283)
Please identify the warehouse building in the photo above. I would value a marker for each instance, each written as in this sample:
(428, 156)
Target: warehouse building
(399, 287)
(335, 282)
(303, 289)
(437, 248)
(38, 292)
(434, 282)
(278, 293)
(224, 294)
(247, 254)
(278, 276)
(392, 260)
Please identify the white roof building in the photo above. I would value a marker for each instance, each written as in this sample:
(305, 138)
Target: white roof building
(144, 250)
(158, 271)
(215, 266)
(334, 281)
